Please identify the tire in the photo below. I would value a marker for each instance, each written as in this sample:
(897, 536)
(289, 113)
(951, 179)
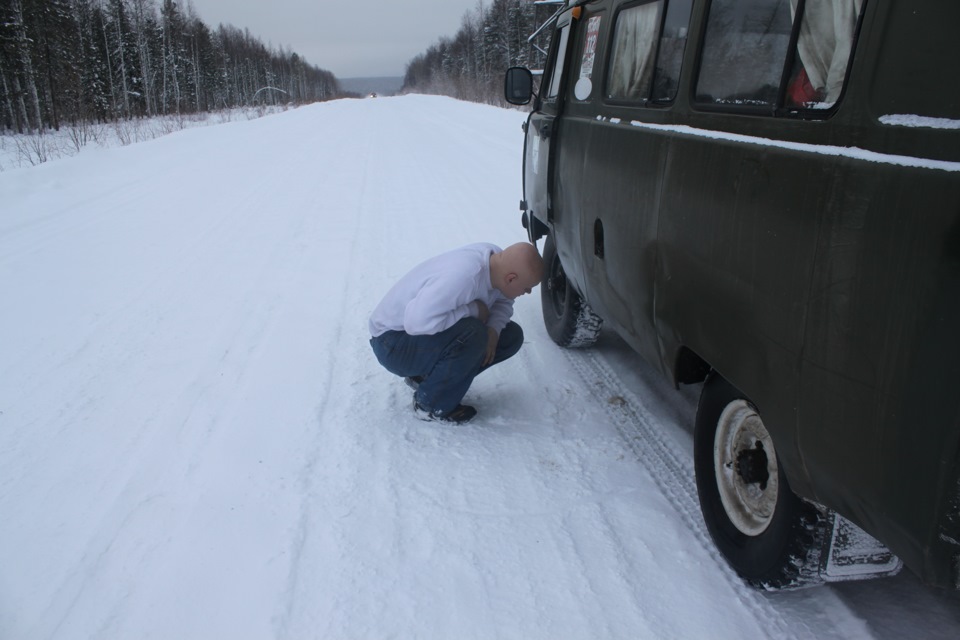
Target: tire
(568, 319)
(765, 531)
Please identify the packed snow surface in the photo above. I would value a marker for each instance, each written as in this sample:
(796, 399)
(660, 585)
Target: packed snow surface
(196, 441)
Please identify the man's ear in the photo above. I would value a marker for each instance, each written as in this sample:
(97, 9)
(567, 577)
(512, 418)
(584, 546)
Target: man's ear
(511, 277)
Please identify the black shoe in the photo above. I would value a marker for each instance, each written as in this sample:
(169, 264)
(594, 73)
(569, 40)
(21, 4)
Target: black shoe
(413, 382)
(461, 414)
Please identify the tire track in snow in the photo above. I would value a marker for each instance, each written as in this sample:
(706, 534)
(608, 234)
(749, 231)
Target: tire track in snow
(286, 623)
(182, 427)
(675, 479)
(388, 210)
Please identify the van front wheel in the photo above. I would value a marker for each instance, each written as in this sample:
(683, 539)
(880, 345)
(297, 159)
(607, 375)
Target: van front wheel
(766, 533)
(568, 319)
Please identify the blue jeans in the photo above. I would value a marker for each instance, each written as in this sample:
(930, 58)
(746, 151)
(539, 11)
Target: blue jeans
(447, 361)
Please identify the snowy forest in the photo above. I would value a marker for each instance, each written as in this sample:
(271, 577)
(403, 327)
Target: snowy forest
(492, 38)
(76, 62)
(69, 62)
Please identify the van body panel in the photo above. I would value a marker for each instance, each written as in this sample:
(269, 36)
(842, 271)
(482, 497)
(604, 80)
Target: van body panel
(622, 279)
(736, 269)
(810, 254)
(880, 367)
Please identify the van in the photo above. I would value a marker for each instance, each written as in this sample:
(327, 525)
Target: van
(764, 196)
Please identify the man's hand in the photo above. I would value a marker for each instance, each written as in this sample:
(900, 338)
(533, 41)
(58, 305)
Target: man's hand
(492, 339)
(483, 311)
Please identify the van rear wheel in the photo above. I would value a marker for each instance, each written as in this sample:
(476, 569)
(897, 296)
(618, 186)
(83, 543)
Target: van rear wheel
(568, 319)
(764, 530)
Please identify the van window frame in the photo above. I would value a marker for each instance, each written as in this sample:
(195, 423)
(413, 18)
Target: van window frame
(650, 101)
(553, 71)
(780, 109)
(611, 50)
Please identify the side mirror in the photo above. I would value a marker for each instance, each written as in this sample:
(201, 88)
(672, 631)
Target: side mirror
(518, 85)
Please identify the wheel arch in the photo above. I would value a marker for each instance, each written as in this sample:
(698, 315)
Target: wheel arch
(786, 553)
(567, 317)
(689, 367)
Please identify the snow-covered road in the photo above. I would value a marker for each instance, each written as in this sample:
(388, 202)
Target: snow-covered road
(196, 441)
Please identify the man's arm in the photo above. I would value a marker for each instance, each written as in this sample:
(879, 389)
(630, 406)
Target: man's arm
(500, 313)
(439, 304)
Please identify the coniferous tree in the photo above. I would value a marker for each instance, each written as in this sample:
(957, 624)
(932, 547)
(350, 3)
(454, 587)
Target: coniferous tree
(146, 28)
(24, 77)
(52, 42)
(470, 65)
(121, 50)
(95, 97)
(86, 61)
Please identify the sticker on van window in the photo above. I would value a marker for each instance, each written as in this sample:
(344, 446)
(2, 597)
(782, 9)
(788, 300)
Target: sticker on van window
(584, 86)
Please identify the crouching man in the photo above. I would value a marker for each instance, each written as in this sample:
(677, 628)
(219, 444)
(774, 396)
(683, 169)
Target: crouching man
(449, 319)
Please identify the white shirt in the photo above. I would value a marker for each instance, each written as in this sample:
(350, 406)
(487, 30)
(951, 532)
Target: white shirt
(441, 291)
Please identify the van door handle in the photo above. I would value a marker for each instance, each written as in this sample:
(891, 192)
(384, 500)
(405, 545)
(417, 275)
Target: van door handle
(545, 129)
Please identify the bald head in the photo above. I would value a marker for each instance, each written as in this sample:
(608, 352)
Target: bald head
(516, 270)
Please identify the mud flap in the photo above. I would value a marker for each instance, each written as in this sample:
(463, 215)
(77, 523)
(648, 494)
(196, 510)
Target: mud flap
(850, 553)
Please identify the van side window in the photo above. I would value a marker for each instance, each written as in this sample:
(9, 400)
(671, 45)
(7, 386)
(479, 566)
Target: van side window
(823, 52)
(744, 50)
(673, 40)
(590, 38)
(559, 60)
(747, 46)
(647, 51)
(634, 50)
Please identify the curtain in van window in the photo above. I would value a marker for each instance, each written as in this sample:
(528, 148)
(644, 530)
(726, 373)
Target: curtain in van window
(824, 44)
(634, 48)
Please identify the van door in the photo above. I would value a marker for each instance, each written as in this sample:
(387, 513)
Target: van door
(541, 131)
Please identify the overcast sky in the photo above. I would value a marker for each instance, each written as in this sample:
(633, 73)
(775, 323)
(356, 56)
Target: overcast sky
(352, 38)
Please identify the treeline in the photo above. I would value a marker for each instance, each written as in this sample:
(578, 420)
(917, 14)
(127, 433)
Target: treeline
(83, 61)
(492, 38)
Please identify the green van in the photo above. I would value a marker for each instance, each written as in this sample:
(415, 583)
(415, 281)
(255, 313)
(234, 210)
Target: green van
(764, 196)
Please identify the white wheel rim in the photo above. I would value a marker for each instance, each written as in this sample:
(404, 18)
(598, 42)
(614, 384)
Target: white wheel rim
(740, 433)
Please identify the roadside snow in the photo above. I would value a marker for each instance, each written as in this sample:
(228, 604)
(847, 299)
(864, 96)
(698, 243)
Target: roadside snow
(196, 441)
(32, 149)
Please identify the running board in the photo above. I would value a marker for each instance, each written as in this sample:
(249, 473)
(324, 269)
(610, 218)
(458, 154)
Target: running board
(850, 553)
